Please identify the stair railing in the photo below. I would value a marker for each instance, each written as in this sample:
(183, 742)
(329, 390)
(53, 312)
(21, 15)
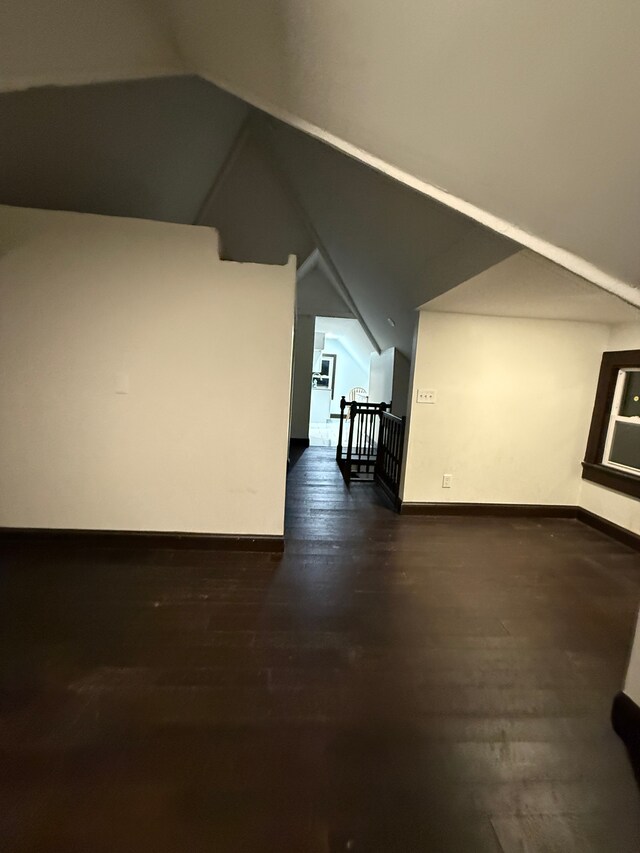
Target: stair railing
(359, 425)
(388, 467)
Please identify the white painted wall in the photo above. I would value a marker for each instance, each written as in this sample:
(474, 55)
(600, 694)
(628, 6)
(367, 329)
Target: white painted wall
(389, 374)
(381, 376)
(615, 507)
(624, 336)
(90, 302)
(620, 509)
(514, 401)
(346, 339)
(349, 372)
(82, 41)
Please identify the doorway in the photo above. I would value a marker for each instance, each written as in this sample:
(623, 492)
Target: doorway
(340, 368)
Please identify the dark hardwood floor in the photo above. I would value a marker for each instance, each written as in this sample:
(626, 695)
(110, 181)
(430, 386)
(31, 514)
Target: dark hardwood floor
(389, 684)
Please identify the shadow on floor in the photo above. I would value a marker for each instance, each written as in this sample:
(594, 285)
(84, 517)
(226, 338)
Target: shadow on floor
(295, 454)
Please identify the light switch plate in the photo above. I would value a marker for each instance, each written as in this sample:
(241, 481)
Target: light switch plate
(426, 395)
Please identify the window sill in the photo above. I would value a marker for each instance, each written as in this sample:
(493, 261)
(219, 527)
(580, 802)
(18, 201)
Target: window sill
(611, 478)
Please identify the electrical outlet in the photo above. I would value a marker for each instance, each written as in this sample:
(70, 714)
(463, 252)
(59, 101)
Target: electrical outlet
(446, 481)
(427, 395)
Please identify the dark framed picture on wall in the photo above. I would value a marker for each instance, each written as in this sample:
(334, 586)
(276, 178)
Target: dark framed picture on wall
(325, 377)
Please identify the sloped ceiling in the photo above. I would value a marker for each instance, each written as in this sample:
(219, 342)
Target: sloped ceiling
(255, 215)
(526, 285)
(317, 295)
(149, 148)
(390, 244)
(524, 115)
(350, 335)
(182, 150)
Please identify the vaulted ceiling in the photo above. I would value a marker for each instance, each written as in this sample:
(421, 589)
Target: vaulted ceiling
(182, 150)
(441, 130)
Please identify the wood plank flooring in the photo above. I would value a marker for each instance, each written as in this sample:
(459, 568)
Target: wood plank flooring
(389, 684)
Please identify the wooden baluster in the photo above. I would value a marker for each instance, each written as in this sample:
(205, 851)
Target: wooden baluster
(352, 410)
(403, 427)
(360, 426)
(378, 464)
(385, 438)
(385, 450)
(392, 466)
(343, 403)
(372, 428)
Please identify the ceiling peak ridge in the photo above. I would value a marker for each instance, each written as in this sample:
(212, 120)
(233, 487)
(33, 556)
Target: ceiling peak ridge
(334, 273)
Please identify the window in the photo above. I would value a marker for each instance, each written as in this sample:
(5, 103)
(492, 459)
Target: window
(622, 444)
(612, 458)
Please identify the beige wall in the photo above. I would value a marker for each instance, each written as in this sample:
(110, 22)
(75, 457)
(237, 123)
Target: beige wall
(514, 401)
(81, 41)
(92, 305)
(624, 336)
(389, 379)
(381, 376)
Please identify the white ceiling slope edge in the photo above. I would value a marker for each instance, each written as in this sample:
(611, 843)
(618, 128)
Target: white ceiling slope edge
(528, 286)
(388, 247)
(316, 292)
(183, 150)
(523, 116)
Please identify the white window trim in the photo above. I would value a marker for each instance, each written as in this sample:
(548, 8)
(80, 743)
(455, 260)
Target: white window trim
(615, 418)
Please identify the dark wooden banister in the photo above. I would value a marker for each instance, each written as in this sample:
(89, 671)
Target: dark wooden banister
(374, 444)
(388, 467)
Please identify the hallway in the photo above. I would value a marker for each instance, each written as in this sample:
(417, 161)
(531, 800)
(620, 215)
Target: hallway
(395, 684)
